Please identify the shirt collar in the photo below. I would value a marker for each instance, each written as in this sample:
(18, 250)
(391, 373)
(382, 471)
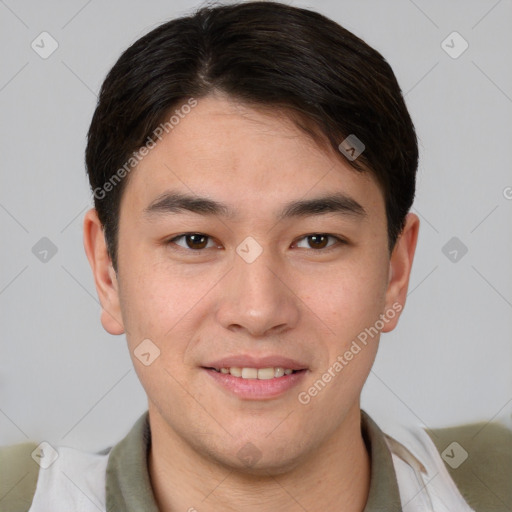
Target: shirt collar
(384, 493)
(128, 486)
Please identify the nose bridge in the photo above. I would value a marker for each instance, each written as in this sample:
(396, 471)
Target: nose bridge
(256, 298)
(257, 276)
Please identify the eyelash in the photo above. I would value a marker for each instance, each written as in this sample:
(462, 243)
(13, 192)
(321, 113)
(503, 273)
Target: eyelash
(339, 241)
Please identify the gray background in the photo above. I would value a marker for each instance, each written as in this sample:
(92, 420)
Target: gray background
(64, 380)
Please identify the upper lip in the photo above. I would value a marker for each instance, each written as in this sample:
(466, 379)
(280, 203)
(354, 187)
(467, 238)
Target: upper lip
(248, 361)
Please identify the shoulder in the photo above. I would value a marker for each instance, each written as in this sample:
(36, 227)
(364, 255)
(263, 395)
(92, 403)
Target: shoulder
(42, 477)
(18, 476)
(478, 457)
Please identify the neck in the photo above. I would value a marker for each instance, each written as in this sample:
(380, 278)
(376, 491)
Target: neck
(338, 472)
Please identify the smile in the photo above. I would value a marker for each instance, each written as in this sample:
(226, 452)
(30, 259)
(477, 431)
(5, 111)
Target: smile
(256, 373)
(249, 383)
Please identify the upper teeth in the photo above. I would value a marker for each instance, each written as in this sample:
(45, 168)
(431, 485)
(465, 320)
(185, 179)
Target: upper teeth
(256, 373)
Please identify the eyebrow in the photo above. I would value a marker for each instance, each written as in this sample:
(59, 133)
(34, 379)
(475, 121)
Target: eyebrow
(176, 202)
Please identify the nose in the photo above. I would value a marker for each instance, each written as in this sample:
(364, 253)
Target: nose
(258, 297)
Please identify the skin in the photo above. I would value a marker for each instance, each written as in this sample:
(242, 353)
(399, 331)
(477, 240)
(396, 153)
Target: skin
(295, 299)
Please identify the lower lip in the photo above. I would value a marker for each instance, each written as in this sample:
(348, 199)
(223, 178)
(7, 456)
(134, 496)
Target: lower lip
(256, 389)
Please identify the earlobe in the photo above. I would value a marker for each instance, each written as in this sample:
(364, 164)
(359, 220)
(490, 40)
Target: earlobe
(105, 277)
(400, 266)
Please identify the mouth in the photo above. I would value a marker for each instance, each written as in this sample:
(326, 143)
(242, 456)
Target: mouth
(255, 373)
(249, 383)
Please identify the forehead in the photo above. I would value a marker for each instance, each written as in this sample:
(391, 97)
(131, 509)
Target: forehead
(248, 158)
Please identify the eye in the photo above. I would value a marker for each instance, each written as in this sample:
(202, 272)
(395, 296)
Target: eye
(194, 241)
(199, 241)
(319, 241)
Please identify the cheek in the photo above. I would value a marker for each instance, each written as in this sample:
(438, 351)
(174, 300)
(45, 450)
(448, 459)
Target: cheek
(348, 303)
(157, 301)
(155, 307)
(347, 298)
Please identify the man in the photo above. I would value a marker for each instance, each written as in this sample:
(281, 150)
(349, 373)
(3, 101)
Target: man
(253, 167)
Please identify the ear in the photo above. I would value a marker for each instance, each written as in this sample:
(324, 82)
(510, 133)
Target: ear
(104, 275)
(400, 265)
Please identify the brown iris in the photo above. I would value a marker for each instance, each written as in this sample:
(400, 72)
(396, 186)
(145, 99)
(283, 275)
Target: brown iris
(318, 241)
(196, 241)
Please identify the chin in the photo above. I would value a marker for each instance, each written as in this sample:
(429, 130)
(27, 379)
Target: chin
(264, 467)
(248, 459)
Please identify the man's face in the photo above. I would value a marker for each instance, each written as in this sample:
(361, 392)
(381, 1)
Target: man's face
(255, 284)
